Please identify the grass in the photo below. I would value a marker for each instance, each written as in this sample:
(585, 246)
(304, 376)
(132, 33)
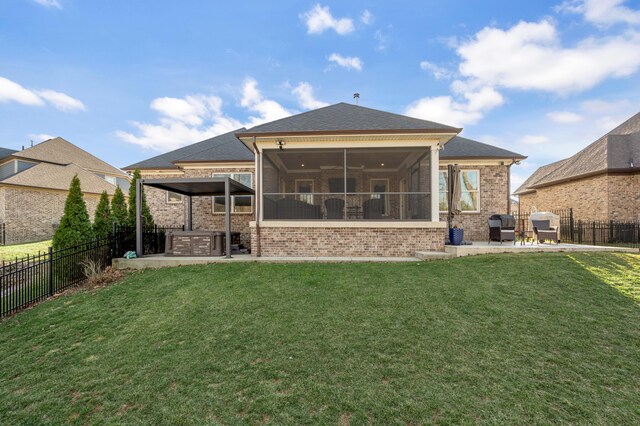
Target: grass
(525, 339)
(9, 253)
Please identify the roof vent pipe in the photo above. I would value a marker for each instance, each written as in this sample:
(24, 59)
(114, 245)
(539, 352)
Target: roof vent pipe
(356, 97)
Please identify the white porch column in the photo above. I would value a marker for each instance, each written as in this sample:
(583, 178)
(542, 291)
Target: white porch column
(435, 191)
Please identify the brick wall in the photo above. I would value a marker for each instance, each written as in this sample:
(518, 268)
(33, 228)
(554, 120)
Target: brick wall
(356, 242)
(32, 214)
(167, 214)
(493, 199)
(588, 198)
(624, 197)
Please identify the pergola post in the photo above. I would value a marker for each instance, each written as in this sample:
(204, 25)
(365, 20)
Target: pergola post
(435, 176)
(227, 214)
(139, 248)
(189, 218)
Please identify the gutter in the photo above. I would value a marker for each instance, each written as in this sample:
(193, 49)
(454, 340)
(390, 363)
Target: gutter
(258, 180)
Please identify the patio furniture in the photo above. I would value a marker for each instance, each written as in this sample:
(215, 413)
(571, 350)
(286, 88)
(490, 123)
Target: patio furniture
(543, 231)
(502, 228)
(372, 209)
(290, 208)
(335, 208)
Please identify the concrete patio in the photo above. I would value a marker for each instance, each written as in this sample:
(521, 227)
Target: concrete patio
(477, 248)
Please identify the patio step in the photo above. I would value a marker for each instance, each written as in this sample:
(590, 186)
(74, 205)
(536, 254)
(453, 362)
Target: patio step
(434, 255)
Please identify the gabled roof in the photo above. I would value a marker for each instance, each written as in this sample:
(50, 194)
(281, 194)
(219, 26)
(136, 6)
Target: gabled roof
(344, 117)
(225, 147)
(459, 147)
(60, 151)
(618, 150)
(5, 152)
(55, 176)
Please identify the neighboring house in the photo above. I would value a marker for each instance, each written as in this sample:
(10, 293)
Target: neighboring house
(601, 182)
(34, 184)
(342, 180)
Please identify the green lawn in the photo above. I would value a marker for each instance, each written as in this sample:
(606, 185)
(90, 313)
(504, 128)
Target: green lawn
(10, 253)
(517, 339)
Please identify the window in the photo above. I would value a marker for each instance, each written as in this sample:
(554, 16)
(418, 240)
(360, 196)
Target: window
(470, 198)
(304, 188)
(174, 198)
(239, 203)
(110, 179)
(380, 188)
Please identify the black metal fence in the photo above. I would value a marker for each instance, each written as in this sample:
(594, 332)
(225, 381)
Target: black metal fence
(33, 278)
(589, 232)
(3, 234)
(153, 239)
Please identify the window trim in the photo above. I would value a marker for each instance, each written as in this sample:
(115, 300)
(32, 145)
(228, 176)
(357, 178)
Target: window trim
(309, 197)
(173, 202)
(387, 201)
(233, 199)
(445, 171)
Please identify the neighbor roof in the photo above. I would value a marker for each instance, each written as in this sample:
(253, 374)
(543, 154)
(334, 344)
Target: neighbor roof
(225, 147)
(348, 118)
(60, 151)
(55, 176)
(5, 152)
(459, 147)
(615, 151)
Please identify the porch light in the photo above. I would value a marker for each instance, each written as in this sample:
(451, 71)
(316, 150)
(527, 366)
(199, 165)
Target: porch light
(302, 165)
(382, 164)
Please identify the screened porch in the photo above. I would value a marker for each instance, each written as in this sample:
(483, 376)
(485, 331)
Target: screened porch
(347, 184)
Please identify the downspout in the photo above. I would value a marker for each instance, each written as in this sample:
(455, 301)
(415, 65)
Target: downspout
(509, 185)
(258, 180)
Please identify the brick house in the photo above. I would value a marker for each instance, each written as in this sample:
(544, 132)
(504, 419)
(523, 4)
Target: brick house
(601, 182)
(34, 184)
(342, 180)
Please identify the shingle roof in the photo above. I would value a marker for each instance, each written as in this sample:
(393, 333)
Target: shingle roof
(347, 117)
(60, 151)
(459, 147)
(55, 176)
(225, 147)
(5, 152)
(616, 150)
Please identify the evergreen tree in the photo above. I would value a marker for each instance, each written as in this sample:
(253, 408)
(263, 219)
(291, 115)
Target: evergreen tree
(147, 219)
(75, 225)
(103, 222)
(119, 213)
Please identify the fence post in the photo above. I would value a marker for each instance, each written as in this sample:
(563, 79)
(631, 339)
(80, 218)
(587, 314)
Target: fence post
(593, 225)
(571, 224)
(50, 271)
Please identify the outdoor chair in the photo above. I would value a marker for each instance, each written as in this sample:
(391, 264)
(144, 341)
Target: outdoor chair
(335, 208)
(373, 209)
(543, 231)
(498, 233)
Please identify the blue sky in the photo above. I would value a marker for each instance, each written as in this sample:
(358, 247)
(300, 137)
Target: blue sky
(130, 79)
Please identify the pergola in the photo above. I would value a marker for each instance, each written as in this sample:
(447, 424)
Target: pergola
(192, 187)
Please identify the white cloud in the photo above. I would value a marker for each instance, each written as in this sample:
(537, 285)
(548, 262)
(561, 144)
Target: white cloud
(49, 3)
(446, 110)
(39, 137)
(348, 62)
(304, 92)
(565, 117)
(319, 19)
(534, 139)
(11, 91)
(268, 110)
(602, 12)
(437, 71)
(194, 118)
(61, 101)
(382, 41)
(529, 56)
(367, 17)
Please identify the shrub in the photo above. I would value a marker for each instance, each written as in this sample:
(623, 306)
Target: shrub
(147, 219)
(102, 222)
(75, 226)
(119, 213)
